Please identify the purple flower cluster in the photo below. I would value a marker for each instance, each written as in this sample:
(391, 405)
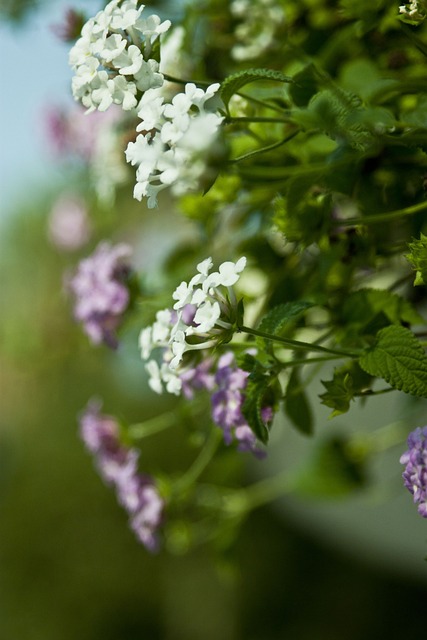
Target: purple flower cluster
(415, 474)
(227, 402)
(117, 465)
(101, 296)
(227, 385)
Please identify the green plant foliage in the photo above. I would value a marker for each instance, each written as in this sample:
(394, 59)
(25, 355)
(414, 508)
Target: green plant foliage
(398, 357)
(296, 404)
(279, 318)
(418, 259)
(232, 84)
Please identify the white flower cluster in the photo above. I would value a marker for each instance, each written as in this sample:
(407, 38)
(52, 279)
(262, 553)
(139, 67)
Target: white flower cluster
(204, 309)
(112, 60)
(415, 10)
(171, 149)
(259, 21)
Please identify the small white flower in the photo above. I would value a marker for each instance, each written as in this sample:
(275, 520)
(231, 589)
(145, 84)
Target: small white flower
(227, 275)
(148, 76)
(154, 380)
(206, 317)
(150, 111)
(145, 342)
(129, 62)
(114, 46)
(124, 93)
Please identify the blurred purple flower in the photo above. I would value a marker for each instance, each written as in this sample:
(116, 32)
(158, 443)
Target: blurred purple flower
(415, 474)
(69, 227)
(101, 297)
(197, 378)
(73, 132)
(118, 466)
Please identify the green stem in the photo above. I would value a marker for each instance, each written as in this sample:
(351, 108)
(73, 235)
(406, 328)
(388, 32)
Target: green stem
(302, 361)
(296, 344)
(261, 493)
(382, 217)
(151, 426)
(265, 105)
(201, 83)
(237, 119)
(201, 462)
(270, 147)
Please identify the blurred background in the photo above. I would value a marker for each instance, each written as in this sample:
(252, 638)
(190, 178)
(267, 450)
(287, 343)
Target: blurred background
(69, 566)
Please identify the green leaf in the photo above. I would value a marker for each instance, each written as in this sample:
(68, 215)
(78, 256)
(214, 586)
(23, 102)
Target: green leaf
(398, 357)
(339, 393)
(235, 82)
(255, 394)
(366, 311)
(347, 381)
(418, 258)
(303, 219)
(296, 404)
(262, 390)
(331, 471)
(277, 319)
(305, 85)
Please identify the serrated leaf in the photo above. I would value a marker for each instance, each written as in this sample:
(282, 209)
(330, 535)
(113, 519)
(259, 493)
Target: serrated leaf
(278, 317)
(262, 390)
(235, 82)
(255, 393)
(398, 358)
(296, 405)
(339, 393)
(418, 258)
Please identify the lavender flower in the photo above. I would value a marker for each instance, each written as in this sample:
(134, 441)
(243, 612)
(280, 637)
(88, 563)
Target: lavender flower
(227, 404)
(415, 474)
(101, 296)
(118, 466)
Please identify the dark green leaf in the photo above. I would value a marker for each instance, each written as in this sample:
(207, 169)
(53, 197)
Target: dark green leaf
(296, 404)
(339, 393)
(235, 82)
(418, 258)
(305, 85)
(278, 318)
(398, 357)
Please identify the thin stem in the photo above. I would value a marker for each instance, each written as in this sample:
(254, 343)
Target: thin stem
(202, 83)
(382, 217)
(201, 462)
(151, 426)
(258, 494)
(369, 392)
(303, 361)
(265, 105)
(297, 344)
(233, 119)
(270, 147)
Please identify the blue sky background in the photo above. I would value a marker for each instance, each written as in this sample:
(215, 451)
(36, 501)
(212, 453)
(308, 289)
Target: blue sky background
(34, 72)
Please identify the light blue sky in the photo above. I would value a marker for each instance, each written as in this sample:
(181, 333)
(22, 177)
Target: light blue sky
(34, 73)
